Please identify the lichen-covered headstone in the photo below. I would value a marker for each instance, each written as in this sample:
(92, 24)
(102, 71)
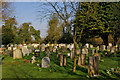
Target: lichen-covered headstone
(45, 62)
(17, 54)
(25, 51)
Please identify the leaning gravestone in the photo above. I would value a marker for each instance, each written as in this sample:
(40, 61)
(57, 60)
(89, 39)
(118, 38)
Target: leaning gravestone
(25, 51)
(45, 62)
(17, 54)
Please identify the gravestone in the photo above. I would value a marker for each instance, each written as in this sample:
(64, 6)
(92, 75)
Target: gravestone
(37, 52)
(17, 54)
(90, 67)
(113, 50)
(110, 44)
(78, 51)
(68, 54)
(33, 59)
(97, 54)
(9, 53)
(32, 48)
(42, 48)
(14, 48)
(72, 54)
(87, 45)
(83, 58)
(45, 62)
(93, 51)
(98, 48)
(83, 51)
(108, 48)
(79, 60)
(63, 49)
(91, 46)
(9, 48)
(25, 50)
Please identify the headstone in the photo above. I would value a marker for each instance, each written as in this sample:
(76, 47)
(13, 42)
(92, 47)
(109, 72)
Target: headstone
(87, 45)
(108, 48)
(112, 49)
(90, 67)
(68, 54)
(25, 51)
(79, 60)
(93, 51)
(91, 46)
(45, 62)
(96, 64)
(83, 58)
(37, 52)
(72, 54)
(110, 44)
(97, 54)
(33, 59)
(17, 54)
(32, 48)
(9, 53)
(98, 48)
(78, 51)
(9, 48)
(42, 48)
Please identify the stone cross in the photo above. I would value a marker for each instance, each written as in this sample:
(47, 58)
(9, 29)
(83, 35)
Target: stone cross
(33, 59)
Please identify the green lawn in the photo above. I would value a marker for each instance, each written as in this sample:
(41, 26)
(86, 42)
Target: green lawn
(20, 69)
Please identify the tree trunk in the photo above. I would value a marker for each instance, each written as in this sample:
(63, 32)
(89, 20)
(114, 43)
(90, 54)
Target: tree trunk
(74, 68)
(75, 45)
(105, 38)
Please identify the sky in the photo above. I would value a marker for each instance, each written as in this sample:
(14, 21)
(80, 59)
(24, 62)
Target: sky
(27, 12)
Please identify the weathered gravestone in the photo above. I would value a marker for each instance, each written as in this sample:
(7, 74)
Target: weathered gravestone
(83, 58)
(42, 48)
(25, 50)
(45, 62)
(32, 48)
(9, 48)
(63, 49)
(9, 53)
(93, 51)
(78, 51)
(113, 50)
(93, 67)
(72, 54)
(17, 54)
(97, 54)
(108, 48)
(37, 52)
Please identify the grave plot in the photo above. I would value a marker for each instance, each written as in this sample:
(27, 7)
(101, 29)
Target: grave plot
(41, 63)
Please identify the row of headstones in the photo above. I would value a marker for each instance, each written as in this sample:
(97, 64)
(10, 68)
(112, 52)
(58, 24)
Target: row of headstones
(93, 62)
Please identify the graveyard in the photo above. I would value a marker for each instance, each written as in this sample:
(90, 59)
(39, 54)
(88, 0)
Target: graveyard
(45, 62)
(60, 40)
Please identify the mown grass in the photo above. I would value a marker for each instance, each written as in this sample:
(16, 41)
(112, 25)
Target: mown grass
(20, 69)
